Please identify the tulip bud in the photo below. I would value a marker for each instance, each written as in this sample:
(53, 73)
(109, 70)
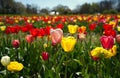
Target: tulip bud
(5, 60)
(118, 38)
(29, 38)
(45, 55)
(45, 45)
(15, 43)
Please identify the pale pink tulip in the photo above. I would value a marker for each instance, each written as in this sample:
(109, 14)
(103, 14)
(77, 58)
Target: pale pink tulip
(81, 36)
(29, 38)
(56, 35)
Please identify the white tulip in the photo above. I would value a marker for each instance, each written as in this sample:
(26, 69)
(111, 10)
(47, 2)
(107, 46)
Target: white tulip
(5, 60)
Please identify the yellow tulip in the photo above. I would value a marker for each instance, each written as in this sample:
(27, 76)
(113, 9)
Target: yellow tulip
(118, 16)
(33, 21)
(95, 18)
(49, 22)
(80, 18)
(98, 51)
(2, 28)
(118, 20)
(107, 53)
(75, 20)
(45, 45)
(118, 28)
(113, 23)
(16, 21)
(72, 28)
(15, 66)
(1, 23)
(68, 43)
(113, 50)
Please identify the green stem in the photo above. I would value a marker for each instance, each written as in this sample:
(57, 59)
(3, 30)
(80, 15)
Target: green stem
(17, 55)
(100, 70)
(66, 67)
(96, 68)
(6, 73)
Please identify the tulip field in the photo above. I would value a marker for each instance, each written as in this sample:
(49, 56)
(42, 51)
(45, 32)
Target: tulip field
(73, 46)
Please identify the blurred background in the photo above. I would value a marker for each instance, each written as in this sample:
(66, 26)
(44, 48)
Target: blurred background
(59, 7)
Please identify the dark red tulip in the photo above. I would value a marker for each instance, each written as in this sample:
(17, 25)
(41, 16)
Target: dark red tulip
(45, 55)
(95, 58)
(15, 43)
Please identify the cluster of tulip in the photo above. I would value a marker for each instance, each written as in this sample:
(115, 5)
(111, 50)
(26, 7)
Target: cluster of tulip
(46, 46)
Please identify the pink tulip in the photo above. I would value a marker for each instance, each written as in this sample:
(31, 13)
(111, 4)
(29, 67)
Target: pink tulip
(15, 43)
(56, 35)
(29, 38)
(107, 42)
(118, 38)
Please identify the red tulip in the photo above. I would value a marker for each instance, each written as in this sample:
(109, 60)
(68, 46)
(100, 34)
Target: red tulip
(29, 38)
(24, 29)
(60, 26)
(107, 42)
(45, 55)
(107, 27)
(110, 33)
(15, 43)
(92, 26)
(34, 32)
(41, 32)
(47, 30)
(56, 35)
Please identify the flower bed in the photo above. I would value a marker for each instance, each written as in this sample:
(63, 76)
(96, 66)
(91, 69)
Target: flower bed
(80, 46)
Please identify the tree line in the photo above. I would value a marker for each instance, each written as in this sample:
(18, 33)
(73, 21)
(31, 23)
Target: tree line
(104, 6)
